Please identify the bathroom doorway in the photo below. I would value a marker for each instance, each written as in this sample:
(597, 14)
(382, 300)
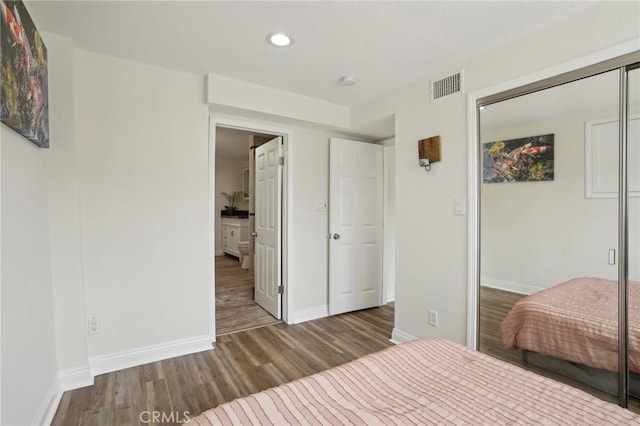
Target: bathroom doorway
(234, 235)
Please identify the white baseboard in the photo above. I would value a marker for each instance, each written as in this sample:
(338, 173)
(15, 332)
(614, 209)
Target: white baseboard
(509, 286)
(75, 378)
(119, 360)
(49, 405)
(391, 296)
(399, 336)
(309, 314)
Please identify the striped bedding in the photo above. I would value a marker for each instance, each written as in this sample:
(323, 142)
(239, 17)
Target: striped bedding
(577, 321)
(426, 382)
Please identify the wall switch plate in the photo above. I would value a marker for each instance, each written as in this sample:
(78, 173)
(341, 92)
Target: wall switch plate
(612, 257)
(321, 206)
(433, 317)
(459, 207)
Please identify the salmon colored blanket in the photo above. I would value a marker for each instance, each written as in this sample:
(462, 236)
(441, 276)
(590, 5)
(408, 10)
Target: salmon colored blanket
(424, 382)
(577, 321)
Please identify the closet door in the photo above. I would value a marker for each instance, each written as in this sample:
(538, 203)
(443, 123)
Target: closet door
(631, 266)
(549, 232)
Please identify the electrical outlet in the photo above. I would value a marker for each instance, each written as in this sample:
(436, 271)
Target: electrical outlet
(433, 317)
(93, 326)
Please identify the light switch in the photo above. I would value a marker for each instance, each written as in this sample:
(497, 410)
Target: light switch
(321, 206)
(612, 256)
(459, 207)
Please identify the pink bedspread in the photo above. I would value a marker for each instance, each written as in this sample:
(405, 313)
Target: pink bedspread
(426, 382)
(575, 321)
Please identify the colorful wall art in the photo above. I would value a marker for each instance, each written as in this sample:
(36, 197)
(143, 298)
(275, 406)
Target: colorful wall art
(24, 104)
(527, 159)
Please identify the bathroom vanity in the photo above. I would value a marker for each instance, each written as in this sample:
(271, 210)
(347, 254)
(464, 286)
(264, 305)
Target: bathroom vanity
(234, 230)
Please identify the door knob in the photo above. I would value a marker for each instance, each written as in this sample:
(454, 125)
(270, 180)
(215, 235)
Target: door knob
(254, 233)
(336, 236)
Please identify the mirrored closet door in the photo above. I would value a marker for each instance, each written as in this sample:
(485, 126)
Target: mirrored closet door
(633, 234)
(550, 253)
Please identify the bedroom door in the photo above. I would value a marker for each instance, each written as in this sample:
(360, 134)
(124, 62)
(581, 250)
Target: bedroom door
(355, 225)
(268, 224)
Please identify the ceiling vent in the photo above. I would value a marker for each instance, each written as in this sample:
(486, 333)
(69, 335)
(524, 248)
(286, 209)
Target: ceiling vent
(446, 86)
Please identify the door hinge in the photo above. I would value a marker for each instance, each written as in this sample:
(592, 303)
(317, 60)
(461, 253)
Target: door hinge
(280, 289)
(281, 161)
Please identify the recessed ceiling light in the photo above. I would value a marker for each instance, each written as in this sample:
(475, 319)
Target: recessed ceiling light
(279, 39)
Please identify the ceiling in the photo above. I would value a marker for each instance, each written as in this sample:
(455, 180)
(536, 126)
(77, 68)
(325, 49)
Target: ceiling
(233, 144)
(384, 44)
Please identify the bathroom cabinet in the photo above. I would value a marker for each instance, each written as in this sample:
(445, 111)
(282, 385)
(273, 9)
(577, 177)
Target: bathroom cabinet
(234, 230)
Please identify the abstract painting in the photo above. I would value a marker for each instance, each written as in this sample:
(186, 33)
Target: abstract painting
(527, 159)
(24, 104)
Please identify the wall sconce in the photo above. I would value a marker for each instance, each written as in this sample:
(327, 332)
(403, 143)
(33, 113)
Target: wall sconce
(428, 152)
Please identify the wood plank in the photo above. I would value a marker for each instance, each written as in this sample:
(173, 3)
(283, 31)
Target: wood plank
(236, 309)
(242, 363)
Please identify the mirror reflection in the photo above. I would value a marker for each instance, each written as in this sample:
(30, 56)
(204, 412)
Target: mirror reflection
(549, 233)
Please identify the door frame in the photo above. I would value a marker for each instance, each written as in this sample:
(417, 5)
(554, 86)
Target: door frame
(287, 203)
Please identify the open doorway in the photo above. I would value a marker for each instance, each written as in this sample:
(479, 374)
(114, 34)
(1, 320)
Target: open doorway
(235, 237)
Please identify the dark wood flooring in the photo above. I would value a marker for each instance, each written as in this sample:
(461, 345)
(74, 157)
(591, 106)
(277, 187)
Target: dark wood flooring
(242, 363)
(236, 308)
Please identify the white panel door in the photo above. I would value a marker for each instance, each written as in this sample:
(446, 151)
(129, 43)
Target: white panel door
(355, 225)
(268, 194)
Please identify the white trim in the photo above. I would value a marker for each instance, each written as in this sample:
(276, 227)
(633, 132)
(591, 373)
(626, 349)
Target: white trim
(391, 296)
(125, 359)
(472, 123)
(309, 314)
(75, 378)
(287, 196)
(399, 336)
(511, 286)
(49, 404)
(473, 223)
(211, 273)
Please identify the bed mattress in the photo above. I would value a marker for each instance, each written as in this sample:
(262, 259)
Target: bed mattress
(576, 321)
(426, 382)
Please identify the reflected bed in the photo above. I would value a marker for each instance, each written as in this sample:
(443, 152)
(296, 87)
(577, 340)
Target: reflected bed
(427, 381)
(575, 321)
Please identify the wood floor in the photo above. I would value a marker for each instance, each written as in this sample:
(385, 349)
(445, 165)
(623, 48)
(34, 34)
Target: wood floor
(235, 306)
(242, 363)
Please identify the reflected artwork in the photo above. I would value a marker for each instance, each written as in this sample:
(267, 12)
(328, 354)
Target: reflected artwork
(527, 159)
(24, 104)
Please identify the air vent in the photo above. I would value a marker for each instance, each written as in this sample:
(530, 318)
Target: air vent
(446, 86)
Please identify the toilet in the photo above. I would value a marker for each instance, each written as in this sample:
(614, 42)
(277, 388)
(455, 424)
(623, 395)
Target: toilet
(243, 247)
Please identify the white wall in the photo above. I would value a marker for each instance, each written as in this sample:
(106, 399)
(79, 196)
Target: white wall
(228, 179)
(309, 256)
(432, 243)
(63, 196)
(542, 233)
(29, 364)
(142, 136)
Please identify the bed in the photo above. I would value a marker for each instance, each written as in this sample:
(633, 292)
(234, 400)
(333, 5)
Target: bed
(427, 381)
(575, 321)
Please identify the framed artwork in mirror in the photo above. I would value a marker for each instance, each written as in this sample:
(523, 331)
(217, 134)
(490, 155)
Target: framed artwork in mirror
(528, 159)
